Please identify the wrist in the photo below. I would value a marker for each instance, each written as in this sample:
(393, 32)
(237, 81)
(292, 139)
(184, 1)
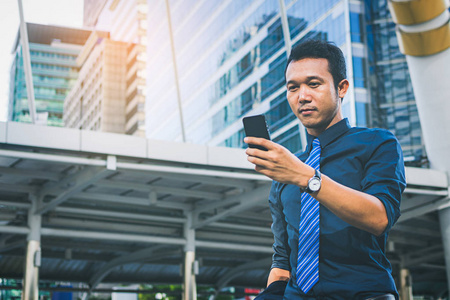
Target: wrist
(304, 179)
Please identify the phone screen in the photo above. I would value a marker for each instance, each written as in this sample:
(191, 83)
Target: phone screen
(256, 126)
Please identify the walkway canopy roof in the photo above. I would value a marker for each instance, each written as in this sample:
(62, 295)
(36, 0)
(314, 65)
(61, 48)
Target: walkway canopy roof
(115, 208)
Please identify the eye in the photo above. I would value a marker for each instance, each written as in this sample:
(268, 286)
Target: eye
(292, 88)
(314, 84)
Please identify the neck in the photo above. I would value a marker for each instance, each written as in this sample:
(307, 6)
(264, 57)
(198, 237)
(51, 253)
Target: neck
(319, 130)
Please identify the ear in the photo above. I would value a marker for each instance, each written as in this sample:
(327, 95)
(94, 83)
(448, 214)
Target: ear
(343, 88)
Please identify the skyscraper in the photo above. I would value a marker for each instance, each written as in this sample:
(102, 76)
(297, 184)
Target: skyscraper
(230, 59)
(53, 51)
(97, 99)
(126, 21)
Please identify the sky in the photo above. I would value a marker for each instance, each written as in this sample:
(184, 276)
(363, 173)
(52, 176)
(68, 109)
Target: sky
(49, 12)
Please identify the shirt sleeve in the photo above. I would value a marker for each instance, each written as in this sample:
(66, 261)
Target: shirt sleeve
(280, 258)
(384, 174)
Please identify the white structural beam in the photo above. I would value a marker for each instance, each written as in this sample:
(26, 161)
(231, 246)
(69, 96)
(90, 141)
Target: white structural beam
(159, 189)
(97, 235)
(234, 247)
(82, 180)
(27, 64)
(241, 228)
(235, 237)
(247, 200)
(14, 229)
(192, 171)
(440, 203)
(430, 192)
(213, 180)
(285, 27)
(132, 238)
(118, 215)
(427, 178)
(113, 225)
(54, 158)
(152, 168)
(175, 71)
(111, 198)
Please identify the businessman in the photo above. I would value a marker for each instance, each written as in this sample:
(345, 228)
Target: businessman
(333, 205)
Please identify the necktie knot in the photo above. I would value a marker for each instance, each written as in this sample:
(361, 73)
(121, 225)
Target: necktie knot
(313, 159)
(316, 142)
(316, 145)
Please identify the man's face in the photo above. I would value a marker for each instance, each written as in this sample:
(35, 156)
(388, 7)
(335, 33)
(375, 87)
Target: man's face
(312, 95)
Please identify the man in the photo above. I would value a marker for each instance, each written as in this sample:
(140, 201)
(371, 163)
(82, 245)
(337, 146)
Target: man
(333, 205)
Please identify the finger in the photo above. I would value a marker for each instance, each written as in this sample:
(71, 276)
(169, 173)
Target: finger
(260, 142)
(259, 161)
(257, 152)
(264, 171)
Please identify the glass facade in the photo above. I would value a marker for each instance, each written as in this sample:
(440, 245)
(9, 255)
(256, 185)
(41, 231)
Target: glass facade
(54, 71)
(231, 56)
(392, 99)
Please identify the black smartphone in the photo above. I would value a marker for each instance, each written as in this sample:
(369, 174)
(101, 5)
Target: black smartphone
(256, 126)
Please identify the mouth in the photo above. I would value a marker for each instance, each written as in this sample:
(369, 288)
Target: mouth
(306, 111)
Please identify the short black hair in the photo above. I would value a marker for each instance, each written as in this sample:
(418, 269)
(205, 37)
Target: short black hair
(321, 49)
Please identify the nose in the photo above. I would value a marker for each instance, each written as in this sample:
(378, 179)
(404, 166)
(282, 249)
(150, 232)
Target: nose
(303, 94)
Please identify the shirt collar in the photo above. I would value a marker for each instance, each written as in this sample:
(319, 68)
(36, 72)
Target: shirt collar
(330, 134)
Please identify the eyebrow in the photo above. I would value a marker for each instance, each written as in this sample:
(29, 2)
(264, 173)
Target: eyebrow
(309, 78)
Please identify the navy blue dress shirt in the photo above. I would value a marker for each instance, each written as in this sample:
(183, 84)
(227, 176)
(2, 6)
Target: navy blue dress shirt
(352, 262)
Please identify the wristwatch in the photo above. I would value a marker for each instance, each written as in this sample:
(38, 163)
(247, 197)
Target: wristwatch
(314, 183)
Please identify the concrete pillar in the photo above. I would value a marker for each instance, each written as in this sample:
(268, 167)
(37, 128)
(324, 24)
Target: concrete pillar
(405, 285)
(190, 287)
(30, 289)
(444, 220)
(190, 264)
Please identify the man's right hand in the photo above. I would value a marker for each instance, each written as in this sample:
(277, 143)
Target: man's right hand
(277, 274)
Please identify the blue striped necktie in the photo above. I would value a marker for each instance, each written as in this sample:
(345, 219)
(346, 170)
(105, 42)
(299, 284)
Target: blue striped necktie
(308, 239)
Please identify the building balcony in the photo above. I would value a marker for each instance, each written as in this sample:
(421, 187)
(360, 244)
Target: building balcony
(38, 96)
(54, 49)
(53, 61)
(39, 83)
(61, 74)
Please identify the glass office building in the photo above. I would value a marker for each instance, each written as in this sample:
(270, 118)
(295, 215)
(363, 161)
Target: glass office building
(392, 97)
(230, 61)
(53, 51)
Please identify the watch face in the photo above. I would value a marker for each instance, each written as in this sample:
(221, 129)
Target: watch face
(314, 184)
